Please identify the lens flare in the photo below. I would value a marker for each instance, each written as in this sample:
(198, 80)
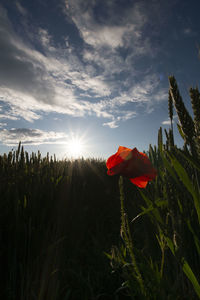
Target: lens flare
(75, 147)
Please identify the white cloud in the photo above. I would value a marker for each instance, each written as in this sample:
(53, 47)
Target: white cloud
(121, 116)
(99, 81)
(8, 116)
(108, 36)
(34, 82)
(31, 136)
(166, 122)
(127, 115)
(44, 37)
(103, 33)
(3, 125)
(112, 36)
(111, 124)
(161, 95)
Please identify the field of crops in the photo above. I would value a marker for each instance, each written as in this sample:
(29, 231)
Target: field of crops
(70, 231)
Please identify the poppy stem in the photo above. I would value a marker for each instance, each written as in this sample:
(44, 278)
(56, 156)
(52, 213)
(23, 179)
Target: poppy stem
(126, 236)
(121, 189)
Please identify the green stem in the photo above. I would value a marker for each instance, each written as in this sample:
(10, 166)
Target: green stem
(126, 236)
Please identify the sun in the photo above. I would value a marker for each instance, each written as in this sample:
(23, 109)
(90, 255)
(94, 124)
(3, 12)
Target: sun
(75, 147)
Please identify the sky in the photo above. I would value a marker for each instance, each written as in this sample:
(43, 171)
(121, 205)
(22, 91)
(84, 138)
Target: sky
(86, 76)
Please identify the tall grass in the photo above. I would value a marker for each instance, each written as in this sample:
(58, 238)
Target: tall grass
(170, 214)
(69, 231)
(57, 218)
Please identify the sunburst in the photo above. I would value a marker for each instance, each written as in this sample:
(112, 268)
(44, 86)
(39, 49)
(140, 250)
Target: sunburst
(75, 147)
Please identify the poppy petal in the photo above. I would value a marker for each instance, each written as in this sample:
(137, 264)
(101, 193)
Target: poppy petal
(132, 164)
(139, 182)
(124, 153)
(121, 149)
(113, 161)
(118, 157)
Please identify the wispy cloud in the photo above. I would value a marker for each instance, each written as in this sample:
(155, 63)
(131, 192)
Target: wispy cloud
(111, 124)
(122, 116)
(3, 125)
(99, 80)
(112, 29)
(166, 122)
(20, 8)
(31, 136)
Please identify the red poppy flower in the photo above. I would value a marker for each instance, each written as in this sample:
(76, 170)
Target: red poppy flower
(132, 164)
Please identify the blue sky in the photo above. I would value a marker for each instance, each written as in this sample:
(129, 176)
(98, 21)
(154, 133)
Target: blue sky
(93, 70)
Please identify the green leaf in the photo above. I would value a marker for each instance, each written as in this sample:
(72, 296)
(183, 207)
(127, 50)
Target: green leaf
(196, 240)
(170, 244)
(187, 183)
(180, 130)
(169, 167)
(190, 160)
(190, 275)
(150, 204)
(108, 255)
(186, 268)
(144, 212)
(161, 203)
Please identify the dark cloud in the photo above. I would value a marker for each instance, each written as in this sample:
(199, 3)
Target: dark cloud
(20, 71)
(25, 132)
(31, 136)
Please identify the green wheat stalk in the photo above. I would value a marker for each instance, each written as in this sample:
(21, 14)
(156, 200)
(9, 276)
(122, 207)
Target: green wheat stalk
(170, 109)
(195, 101)
(186, 122)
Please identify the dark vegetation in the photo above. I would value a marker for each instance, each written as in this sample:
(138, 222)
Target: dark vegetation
(57, 219)
(64, 235)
